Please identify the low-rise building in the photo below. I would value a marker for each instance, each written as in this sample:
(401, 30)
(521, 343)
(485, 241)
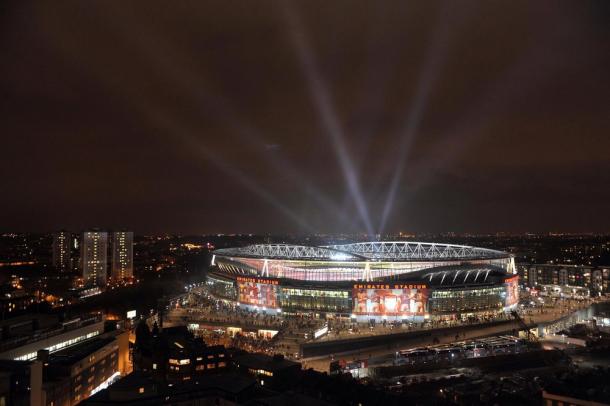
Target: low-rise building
(176, 355)
(593, 278)
(15, 301)
(66, 377)
(21, 383)
(91, 366)
(269, 370)
(22, 337)
(141, 388)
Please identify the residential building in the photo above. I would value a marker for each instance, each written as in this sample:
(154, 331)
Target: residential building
(122, 255)
(94, 255)
(593, 278)
(62, 260)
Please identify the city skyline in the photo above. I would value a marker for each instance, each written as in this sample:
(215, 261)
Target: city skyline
(305, 202)
(293, 118)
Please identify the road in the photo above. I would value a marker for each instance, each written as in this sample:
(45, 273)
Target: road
(465, 333)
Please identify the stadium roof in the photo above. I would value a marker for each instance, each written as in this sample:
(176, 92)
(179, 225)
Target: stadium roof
(364, 251)
(459, 275)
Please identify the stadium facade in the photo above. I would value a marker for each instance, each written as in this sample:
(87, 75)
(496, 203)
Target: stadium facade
(396, 280)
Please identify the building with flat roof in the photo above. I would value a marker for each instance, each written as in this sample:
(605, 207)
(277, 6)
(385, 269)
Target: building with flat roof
(593, 278)
(24, 336)
(141, 388)
(62, 260)
(21, 383)
(122, 255)
(268, 370)
(66, 377)
(14, 301)
(86, 368)
(176, 355)
(94, 257)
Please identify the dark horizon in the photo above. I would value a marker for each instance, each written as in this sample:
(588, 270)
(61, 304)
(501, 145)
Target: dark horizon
(300, 117)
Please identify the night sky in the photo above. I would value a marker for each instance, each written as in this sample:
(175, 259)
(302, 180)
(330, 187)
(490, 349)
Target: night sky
(272, 117)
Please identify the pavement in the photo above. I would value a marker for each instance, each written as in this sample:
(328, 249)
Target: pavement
(466, 332)
(446, 335)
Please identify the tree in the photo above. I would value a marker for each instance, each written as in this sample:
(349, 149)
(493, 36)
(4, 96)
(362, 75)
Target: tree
(142, 334)
(155, 329)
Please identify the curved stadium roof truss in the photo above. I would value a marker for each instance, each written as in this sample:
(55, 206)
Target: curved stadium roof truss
(365, 251)
(406, 250)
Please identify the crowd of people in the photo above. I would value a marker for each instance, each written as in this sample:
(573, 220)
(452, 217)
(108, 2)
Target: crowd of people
(340, 328)
(295, 329)
(202, 307)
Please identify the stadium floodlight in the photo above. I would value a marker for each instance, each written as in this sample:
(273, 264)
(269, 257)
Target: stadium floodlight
(185, 134)
(340, 257)
(190, 81)
(323, 105)
(429, 72)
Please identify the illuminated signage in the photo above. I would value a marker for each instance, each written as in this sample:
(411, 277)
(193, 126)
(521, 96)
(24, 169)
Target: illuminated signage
(257, 293)
(319, 333)
(267, 334)
(131, 314)
(257, 280)
(512, 279)
(390, 286)
(378, 300)
(512, 290)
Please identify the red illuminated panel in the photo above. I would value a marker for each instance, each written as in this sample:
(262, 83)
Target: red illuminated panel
(257, 294)
(390, 302)
(512, 290)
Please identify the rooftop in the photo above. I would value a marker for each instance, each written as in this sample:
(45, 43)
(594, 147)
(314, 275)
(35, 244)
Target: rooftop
(364, 251)
(33, 328)
(265, 362)
(127, 390)
(76, 353)
(460, 275)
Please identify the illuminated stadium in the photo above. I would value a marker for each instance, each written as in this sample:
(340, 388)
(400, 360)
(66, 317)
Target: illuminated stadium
(368, 280)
